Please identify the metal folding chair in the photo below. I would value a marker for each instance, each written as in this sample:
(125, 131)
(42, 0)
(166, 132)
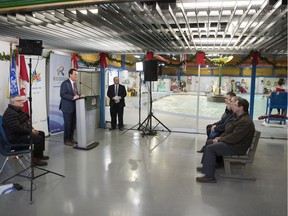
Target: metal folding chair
(9, 150)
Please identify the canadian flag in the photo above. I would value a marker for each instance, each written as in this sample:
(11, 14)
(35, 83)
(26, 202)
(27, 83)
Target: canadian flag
(23, 81)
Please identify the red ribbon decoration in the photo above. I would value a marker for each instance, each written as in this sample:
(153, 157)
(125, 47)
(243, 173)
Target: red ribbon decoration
(75, 60)
(103, 63)
(255, 57)
(200, 58)
(149, 55)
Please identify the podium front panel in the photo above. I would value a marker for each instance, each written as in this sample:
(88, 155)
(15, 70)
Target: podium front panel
(86, 120)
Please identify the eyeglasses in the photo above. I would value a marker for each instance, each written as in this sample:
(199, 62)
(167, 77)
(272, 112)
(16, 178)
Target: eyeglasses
(21, 101)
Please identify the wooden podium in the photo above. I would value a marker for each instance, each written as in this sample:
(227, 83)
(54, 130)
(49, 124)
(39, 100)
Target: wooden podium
(86, 122)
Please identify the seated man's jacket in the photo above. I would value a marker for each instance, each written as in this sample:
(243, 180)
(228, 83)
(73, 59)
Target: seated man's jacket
(239, 133)
(15, 123)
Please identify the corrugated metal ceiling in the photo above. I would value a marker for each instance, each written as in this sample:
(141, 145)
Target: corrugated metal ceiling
(227, 27)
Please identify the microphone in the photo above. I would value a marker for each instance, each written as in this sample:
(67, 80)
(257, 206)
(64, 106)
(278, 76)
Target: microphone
(81, 83)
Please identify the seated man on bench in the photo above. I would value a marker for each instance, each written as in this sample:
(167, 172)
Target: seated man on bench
(216, 129)
(235, 140)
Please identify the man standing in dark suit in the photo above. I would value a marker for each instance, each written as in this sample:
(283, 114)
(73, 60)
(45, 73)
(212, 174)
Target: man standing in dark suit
(68, 94)
(116, 94)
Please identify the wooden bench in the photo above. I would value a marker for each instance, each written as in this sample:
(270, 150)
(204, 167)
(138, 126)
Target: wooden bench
(244, 160)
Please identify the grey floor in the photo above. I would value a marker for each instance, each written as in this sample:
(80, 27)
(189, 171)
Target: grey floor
(131, 175)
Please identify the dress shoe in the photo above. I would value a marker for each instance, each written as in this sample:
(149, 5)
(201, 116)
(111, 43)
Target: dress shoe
(206, 179)
(68, 143)
(74, 141)
(38, 162)
(201, 150)
(44, 157)
(121, 129)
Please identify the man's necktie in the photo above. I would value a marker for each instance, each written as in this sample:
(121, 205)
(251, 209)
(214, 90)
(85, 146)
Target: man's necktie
(75, 89)
(116, 90)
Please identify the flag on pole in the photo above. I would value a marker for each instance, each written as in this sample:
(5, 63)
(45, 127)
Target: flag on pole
(8, 89)
(23, 81)
(13, 79)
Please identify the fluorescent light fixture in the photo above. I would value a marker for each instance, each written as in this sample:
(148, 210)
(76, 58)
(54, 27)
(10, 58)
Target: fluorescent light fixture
(83, 12)
(243, 24)
(139, 66)
(211, 41)
(94, 11)
(216, 4)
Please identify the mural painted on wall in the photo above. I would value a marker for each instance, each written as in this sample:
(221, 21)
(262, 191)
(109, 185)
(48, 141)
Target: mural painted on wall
(161, 85)
(174, 85)
(132, 84)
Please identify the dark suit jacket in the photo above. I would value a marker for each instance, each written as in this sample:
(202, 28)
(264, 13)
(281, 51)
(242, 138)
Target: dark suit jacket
(121, 92)
(67, 104)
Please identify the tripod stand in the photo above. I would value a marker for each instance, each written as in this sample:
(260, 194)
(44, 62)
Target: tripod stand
(147, 129)
(31, 167)
(139, 115)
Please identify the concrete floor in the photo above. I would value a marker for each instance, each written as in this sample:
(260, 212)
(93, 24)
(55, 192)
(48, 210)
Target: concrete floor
(131, 175)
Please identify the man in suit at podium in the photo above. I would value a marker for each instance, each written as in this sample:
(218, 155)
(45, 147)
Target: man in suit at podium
(116, 94)
(68, 94)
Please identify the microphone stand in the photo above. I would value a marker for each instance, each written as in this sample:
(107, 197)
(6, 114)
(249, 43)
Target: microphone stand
(92, 90)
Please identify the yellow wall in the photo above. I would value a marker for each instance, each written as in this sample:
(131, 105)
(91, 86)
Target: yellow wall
(170, 71)
(281, 72)
(231, 71)
(264, 72)
(260, 72)
(90, 58)
(227, 71)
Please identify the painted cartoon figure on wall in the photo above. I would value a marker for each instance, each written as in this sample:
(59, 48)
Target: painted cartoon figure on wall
(233, 87)
(183, 86)
(243, 86)
(161, 85)
(174, 84)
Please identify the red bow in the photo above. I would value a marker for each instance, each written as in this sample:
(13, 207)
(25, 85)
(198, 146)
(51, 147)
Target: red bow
(149, 55)
(200, 58)
(75, 60)
(103, 63)
(255, 57)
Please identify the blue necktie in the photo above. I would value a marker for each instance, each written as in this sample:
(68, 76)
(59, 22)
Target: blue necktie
(116, 90)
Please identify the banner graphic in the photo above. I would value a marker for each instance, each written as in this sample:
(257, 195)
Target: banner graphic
(59, 68)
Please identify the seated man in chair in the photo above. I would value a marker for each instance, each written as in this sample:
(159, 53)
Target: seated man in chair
(16, 126)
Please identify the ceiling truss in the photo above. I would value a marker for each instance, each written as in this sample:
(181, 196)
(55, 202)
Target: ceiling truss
(135, 27)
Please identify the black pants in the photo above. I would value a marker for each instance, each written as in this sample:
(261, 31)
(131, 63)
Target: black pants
(115, 110)
(38, 141)
(69, 125)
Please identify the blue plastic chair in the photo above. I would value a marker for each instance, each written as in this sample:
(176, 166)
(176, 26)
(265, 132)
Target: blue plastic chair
(277, 100)
(7, 149)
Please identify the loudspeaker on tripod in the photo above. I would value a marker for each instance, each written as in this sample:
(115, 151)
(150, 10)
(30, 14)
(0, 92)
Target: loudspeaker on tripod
(151, 70)
(30, 47)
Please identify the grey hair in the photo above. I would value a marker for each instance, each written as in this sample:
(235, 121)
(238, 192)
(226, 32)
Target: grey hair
(15, 97)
